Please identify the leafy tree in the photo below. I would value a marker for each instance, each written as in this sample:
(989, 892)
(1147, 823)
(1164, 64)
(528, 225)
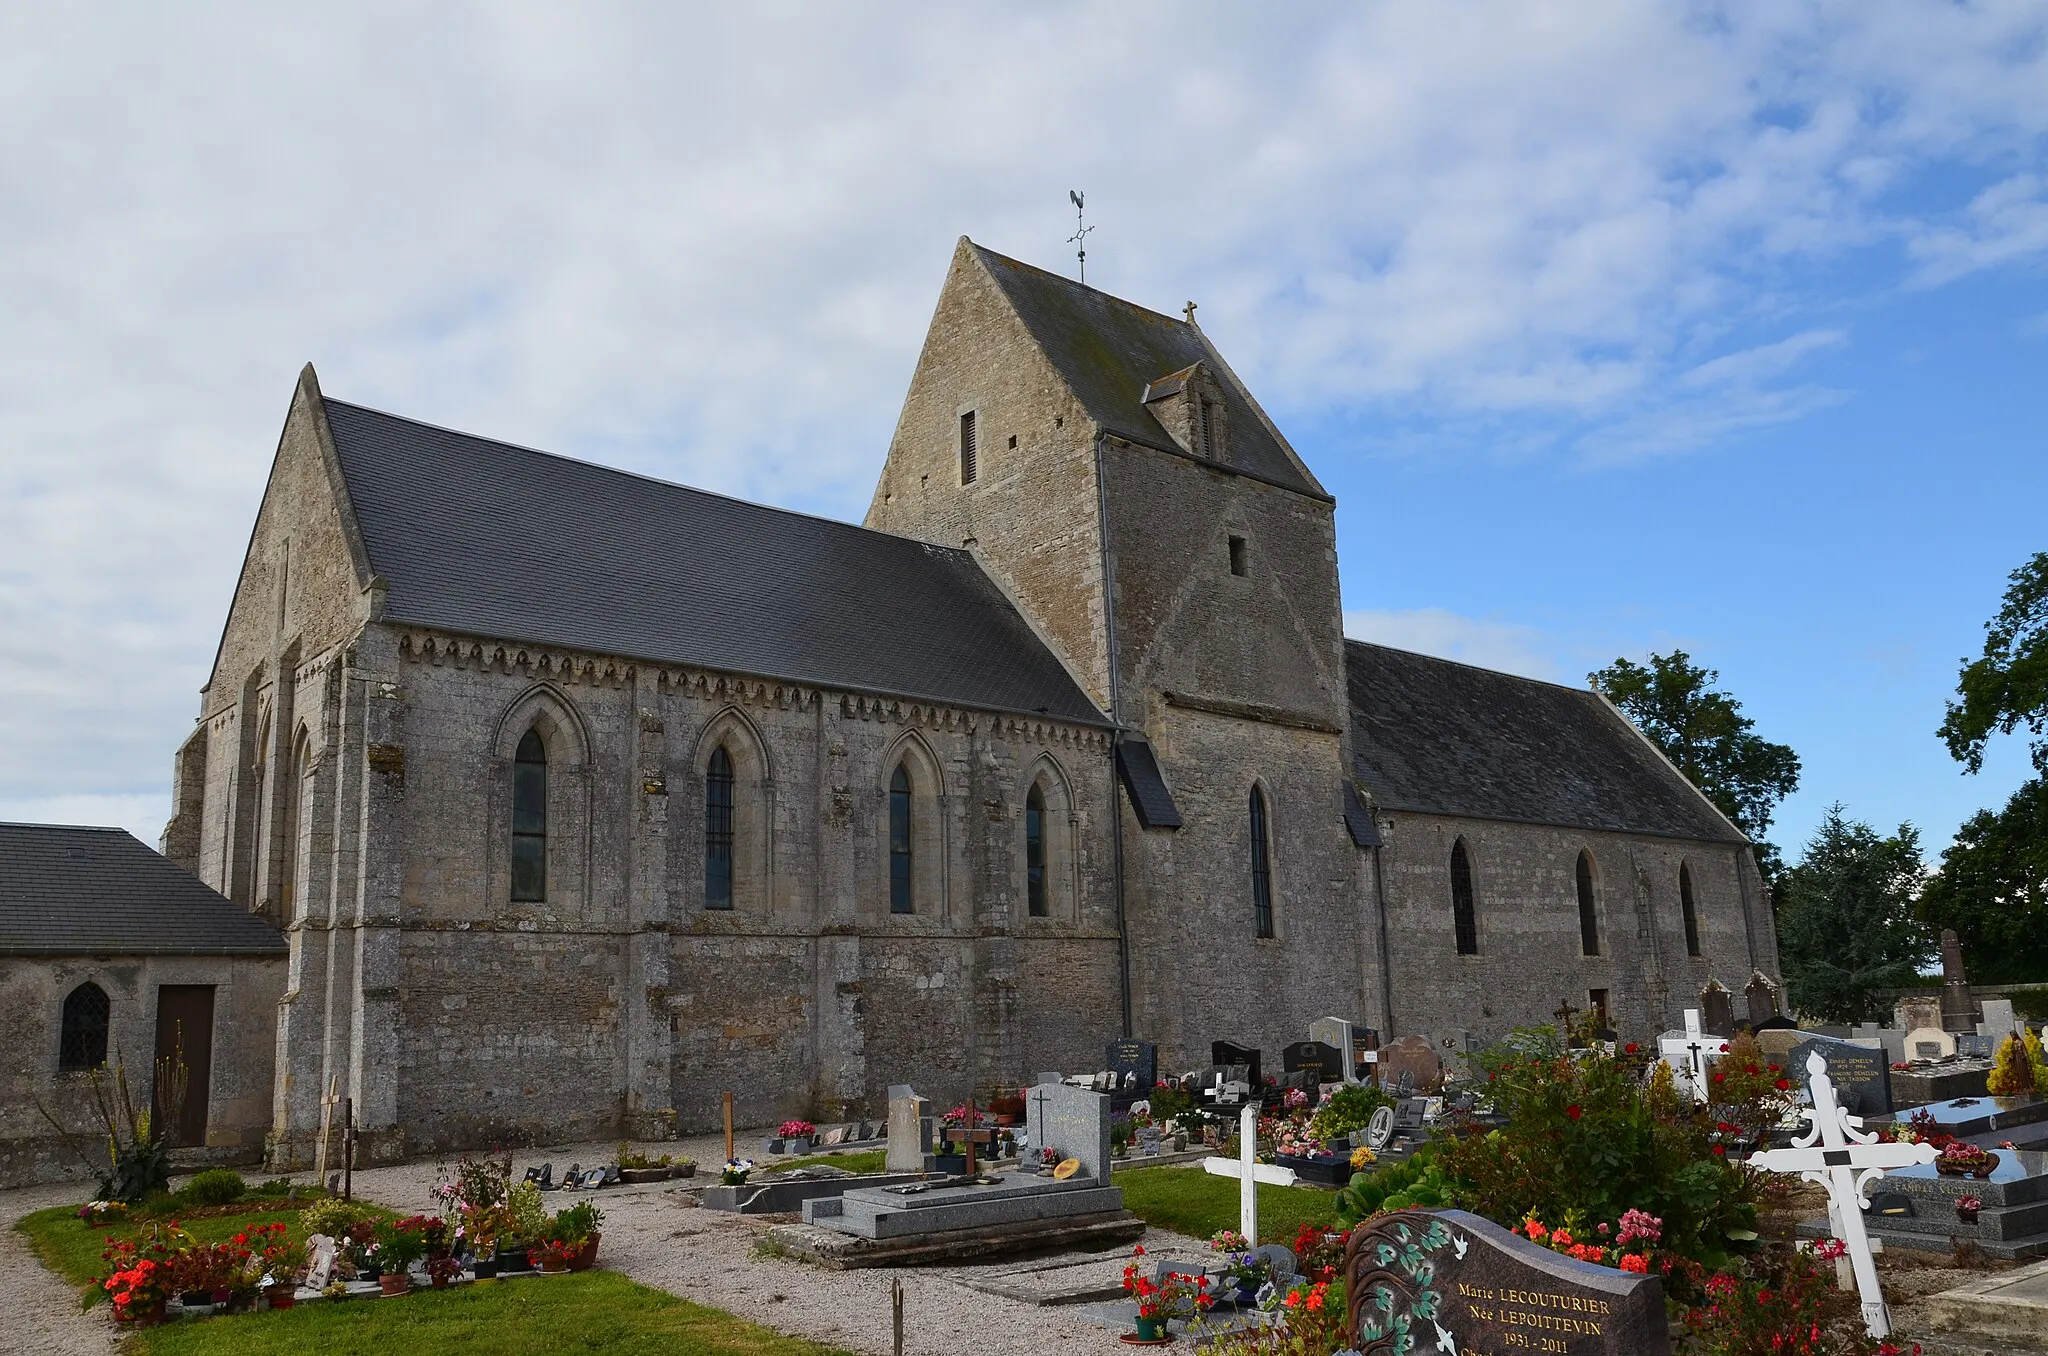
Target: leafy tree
(1703, 732)
(1845, 918)
(2007, 686)
(1993, 889)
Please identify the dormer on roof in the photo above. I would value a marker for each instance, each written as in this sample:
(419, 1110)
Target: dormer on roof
(1189, 405)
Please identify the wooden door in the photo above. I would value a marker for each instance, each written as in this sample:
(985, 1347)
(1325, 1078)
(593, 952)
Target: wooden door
(184, 1029)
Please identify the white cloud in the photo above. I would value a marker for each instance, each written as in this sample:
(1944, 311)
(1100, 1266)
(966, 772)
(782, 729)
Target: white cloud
(704, 241)
(1484, 641)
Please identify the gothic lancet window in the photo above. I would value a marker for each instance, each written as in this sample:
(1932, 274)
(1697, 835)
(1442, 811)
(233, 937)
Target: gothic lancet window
(1262, 868)
(83, 1043)
(1685, 904)
(900, 896)
(718, 831)
(1462, 912)
(530, 821)
(1034, 850)
(1589, 913)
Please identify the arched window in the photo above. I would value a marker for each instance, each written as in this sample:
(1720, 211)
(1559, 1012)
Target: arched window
(530, 821)
(1034, 850)
(718, 830)
(1692, 918)
(83, 1044)
(1589, 913)
(900, 863)
(1462, 912)
(1262, 868)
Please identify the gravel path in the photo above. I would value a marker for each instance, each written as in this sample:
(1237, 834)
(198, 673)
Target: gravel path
(42, 1311)
(658, 1236)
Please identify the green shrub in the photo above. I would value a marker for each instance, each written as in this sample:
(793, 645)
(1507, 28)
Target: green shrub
(1349, 1108)
(215, 1186)
(331, 1217)
(284, 1186)
(1415, 1182)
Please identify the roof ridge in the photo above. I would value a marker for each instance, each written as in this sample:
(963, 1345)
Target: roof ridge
(645, 478)
(1467, 664)
(1064, 280)
(68, 828)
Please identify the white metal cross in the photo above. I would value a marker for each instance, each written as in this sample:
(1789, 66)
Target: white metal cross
(1845, 1161)
(1249, 1172)
(1692, 1048)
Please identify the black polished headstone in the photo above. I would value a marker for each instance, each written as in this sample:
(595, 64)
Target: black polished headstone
(1445, 1280)
(1125, 1058)
(1326, 1061)
(1223, 1052)
(1862, 1076)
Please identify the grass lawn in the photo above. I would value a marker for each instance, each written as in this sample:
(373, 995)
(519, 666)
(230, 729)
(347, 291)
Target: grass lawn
(72, 1249)
(1190, 1201)
(587, 1311)
(868, 1160)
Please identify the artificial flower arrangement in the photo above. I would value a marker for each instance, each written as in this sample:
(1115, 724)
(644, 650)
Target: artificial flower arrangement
(1172, 1296)
(1319, 1251)
(1967, 1208)
(1961, 1158)
(1242, 1267)
(796, 1130)
(735, 1171)
(94, 1213)
(1362, 1158)
(958, 1117)
(1626, 1245)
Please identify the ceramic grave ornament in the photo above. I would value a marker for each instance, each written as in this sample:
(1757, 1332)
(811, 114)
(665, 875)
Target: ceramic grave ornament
(1249, 1172)
(1836, 1153)
(1380, 1128)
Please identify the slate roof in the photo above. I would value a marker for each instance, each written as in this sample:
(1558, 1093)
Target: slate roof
(1439, 737)
(1108, 350)
(1139, 770)
(487, 538)
(70, 891)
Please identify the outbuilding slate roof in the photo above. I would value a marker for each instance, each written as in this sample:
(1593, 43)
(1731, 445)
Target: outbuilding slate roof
(1108, 350)
(490, 539)
(71, 891)
(1439, 737)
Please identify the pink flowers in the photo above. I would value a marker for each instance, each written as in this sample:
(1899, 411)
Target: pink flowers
(795, 1130)
(1640, 1226)
(1830, 1248)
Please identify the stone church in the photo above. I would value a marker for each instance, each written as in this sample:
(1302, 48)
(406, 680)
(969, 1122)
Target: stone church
(583, 798)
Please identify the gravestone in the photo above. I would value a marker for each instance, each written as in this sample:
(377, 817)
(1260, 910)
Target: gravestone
(1958, 1004)
(1349, 1041)
(1411, 1114)
(1717, 1010)
(1072, 1121)
(1223, 1052)
(1380, 1128)
(1135, 1063)
(1972, 1046)
(1998, 1020)
(1454, 1282)
(910, 1133)
(835, 1135)
(1861, 1074)
(319, 1261)
(1326, 1062)
(1415, 1056)
(1761, 998)
(1917, 1010)
(1929, 1042)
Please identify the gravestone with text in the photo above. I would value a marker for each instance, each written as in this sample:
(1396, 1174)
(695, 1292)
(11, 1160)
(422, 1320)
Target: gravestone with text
(1861, 1075)
(1325, 1061)
(1717, 1010)
(1073, 1122)
(1135, 1064)
(1226, 1053)
(1448, 1281)
(1415, 1056)
(1351, 1043)
(1761, 997)
(910, 1132)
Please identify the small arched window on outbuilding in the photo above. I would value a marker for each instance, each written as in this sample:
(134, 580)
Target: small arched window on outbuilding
(530, 821)
(1262, 868)
(1034, 850)
(1685, 904)
(901, 862)
(718, 830)
(1589, 911)
(82, 1043)
(1462, 912)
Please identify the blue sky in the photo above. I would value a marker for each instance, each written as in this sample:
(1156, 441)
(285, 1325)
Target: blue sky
(1614, 327)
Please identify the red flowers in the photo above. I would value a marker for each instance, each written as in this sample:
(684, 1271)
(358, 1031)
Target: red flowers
(1783, 1085)
(1630, 1048)
(1573, 1111)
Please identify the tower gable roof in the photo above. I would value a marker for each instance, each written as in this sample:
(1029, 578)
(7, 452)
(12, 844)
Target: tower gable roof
(67, 890)
(1439, 737)
(1109, 351)
(491, 539)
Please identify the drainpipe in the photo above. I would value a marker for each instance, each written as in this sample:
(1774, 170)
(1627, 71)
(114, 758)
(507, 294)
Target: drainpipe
(1116, 804)
(1379, 890)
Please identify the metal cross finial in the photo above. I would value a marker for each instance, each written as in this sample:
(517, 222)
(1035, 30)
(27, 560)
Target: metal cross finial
(1080, 235)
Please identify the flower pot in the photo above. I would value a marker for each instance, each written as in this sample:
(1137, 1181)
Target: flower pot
(439, 1281)
(949, 1163)
(552, 1266)
(796, 1146)
(283, 1296)
(394, 1283)
(636, 1176)
(485, 1268)
(774, 1146)
(687, 1170)
(512, 1259)
(1151, 1329)
(1966, 1216)
(586, 1256)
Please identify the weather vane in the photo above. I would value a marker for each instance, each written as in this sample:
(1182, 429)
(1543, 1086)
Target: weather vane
(1080, 236)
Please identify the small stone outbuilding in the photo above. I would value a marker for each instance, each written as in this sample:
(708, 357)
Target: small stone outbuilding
(110, 956)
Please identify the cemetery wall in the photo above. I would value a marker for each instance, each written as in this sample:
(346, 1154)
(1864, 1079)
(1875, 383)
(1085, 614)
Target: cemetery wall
(32, 993)
(1525, 893)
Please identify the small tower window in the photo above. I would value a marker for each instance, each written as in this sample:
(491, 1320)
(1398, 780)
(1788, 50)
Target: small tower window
(1463, 915)
(718, 831)
(530, 821)
(1262, 869)
(1589, 913)
(83, 1043)
(1685, 904)
(969, 441)
(1034, 850)
(900, 899)
(1206, 430)
(1240, 556)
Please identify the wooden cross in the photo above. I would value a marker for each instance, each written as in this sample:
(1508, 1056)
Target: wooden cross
(970, 1135)
(728, 1127)
(1564, 1014)
(1249, 1172)
(327, 1105)
(1845, 1160)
